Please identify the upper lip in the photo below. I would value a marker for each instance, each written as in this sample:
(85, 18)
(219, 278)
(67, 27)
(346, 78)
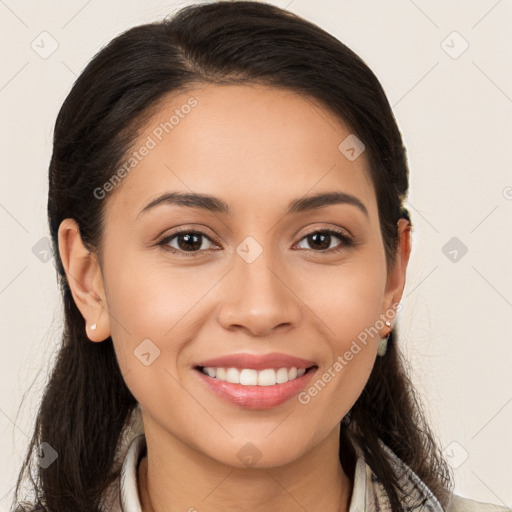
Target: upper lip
(257, 362)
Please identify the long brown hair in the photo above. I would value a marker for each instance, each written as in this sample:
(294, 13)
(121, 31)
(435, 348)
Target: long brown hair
(86, 403)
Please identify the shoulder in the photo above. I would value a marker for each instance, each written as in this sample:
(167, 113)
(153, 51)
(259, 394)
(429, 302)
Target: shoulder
(460, 504)
(417, 491)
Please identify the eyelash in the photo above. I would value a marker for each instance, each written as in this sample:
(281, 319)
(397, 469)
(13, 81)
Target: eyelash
(347, 242)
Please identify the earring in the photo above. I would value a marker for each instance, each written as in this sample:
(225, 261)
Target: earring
(95, 326)
(383, 342)
(382, 346)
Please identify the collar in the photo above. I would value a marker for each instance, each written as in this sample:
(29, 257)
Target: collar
(368, 494)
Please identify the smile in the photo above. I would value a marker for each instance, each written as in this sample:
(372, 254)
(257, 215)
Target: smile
(251, 377)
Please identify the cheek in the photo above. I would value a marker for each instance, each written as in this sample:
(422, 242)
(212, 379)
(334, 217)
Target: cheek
(156, 310)
(149, 328)
(346, 298)
(148, 306)
(347, 301)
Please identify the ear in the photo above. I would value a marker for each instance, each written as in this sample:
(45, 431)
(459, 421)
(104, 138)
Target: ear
(396, 277)
(85, 280)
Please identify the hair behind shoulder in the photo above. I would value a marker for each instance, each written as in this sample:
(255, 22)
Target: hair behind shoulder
(86, 404)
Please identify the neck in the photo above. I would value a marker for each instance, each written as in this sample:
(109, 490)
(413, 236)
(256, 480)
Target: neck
(173, 477)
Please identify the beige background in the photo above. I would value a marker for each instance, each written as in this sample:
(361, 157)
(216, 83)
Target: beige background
(454, 109)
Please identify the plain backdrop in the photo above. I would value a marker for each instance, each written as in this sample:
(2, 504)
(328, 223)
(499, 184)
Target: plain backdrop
(445, 66)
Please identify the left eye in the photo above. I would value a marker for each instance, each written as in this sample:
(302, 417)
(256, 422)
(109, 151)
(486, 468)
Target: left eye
(190, 243)
(324, 238)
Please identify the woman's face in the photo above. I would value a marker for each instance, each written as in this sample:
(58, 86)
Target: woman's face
(247, 275)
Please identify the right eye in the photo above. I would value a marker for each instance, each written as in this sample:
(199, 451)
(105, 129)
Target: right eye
(189, 242)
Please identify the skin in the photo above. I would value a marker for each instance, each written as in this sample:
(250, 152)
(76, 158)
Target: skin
(256, 148)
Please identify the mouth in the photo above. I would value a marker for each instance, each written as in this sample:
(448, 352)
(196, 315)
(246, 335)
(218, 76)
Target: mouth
(253, 377)
(255, 381)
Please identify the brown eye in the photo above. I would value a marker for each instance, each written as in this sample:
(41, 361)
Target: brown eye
(185, 241)
(320, 240)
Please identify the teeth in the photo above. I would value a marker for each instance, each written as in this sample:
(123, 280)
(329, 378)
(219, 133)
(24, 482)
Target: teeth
(250, 377)
(267, 377)
(282, 375)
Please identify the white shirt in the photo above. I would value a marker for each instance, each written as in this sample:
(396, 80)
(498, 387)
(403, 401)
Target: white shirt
(368, 494)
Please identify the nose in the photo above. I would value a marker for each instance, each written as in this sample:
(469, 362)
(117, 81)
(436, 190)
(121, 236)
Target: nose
(258, 299)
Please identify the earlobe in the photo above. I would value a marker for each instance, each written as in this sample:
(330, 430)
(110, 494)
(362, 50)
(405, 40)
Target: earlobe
(85, 281)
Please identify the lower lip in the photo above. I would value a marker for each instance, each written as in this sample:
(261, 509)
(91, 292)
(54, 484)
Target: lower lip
(256, 397)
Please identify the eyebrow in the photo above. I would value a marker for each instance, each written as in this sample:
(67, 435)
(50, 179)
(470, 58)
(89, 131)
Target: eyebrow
(216, 205)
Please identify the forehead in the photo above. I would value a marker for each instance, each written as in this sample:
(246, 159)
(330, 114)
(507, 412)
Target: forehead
(248, 144)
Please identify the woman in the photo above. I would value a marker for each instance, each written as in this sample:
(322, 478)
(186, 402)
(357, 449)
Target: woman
(226, 203)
